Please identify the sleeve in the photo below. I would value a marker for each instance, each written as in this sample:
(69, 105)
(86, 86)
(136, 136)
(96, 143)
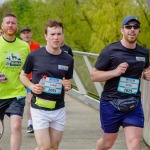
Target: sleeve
(70, 52)
(69, 74)
(28, 65)
(103, 60)
(147, 64)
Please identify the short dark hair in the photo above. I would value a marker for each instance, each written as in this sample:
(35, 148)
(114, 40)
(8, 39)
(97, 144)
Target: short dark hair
(9, 15)
(53, 23)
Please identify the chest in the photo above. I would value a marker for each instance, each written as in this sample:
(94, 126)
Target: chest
(134, 59)
(51, 66)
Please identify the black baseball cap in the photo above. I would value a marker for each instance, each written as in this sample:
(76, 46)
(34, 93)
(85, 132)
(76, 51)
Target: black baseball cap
(25, 29)
(129, 18)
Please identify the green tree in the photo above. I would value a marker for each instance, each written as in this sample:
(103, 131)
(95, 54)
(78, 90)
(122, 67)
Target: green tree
(89, 25)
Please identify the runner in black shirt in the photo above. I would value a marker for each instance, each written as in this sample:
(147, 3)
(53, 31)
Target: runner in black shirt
(51, 70)
(121, 65)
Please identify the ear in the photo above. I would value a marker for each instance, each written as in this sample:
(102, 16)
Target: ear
(121, 30)
(45, 36)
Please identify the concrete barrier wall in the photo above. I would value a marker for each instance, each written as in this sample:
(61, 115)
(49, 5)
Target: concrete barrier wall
(145, 89)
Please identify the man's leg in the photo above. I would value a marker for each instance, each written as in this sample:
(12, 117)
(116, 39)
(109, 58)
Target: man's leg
(107, 141)
(133, 137)
(55, 138)
(42, 137)
(48, 127)
(48, 139)
(133, 127)
(110, 123)
(30, 125)
(15, 111)
(16, 135)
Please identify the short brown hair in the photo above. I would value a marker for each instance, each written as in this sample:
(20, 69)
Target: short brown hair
(9, 15)
(53, 23)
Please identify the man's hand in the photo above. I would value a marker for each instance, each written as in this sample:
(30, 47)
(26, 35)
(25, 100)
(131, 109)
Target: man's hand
(146, 74)
(121, 69)
(67, 84)
(37, 88)
(3, 78)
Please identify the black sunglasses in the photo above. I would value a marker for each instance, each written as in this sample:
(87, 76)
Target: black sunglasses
(129, 26)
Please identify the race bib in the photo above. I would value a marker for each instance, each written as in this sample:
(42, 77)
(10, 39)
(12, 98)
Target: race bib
(128, 85)
(53, 85)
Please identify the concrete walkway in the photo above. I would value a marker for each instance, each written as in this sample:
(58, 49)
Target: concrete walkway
(81, 132)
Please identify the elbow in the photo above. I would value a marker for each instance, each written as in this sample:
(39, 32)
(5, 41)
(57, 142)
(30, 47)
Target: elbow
(92, 78)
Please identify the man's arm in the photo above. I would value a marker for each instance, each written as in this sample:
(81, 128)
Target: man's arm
(67, 84)
(146, 74)
(100, 76)
(36, 88)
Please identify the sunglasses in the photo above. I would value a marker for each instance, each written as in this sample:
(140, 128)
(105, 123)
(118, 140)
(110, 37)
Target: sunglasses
(129, 26)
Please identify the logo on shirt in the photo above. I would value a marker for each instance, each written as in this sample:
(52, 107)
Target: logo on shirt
(61, 67)
(140, 59)
(13, 59)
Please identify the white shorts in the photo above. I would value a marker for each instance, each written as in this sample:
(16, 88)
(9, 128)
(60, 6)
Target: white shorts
(48, 119)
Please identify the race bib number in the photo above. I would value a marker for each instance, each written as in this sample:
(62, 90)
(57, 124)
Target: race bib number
(128, 85)
(53, 85)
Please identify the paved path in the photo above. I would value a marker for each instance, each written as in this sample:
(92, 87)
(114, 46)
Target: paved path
(81, 132)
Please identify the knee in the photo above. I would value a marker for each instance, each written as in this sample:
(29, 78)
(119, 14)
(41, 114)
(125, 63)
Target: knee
(108, 144)
(16, 127)
(134, 144)
(41, 145)
(104, 144)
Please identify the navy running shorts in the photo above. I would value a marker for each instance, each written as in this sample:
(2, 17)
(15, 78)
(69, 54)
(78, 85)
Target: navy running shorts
(11, 106)
(112, 119)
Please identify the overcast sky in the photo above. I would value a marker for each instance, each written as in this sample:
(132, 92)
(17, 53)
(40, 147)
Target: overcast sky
(2, 1)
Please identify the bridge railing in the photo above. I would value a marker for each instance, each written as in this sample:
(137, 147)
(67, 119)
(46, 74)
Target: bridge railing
(83, 64)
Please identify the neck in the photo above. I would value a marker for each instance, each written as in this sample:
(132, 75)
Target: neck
(9, 38)
(53, 51)
(29, 42)
(127, 44)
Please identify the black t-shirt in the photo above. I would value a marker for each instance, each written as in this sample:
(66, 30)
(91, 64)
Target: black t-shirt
(67, 49)
(114, 54)
(40, 63)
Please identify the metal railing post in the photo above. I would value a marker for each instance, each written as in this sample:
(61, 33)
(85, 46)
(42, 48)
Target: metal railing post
(89, 66)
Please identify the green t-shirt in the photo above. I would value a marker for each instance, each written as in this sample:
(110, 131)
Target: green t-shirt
(12, 58)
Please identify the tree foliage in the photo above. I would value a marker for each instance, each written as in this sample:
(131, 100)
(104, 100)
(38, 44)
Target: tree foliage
(89, 25)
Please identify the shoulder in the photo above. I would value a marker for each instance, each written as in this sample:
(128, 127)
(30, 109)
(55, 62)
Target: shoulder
(38, 51)
(141, 48)
(35, 43)
(65, 47)
(21, 42)
(66, 55)
(114, 45)
(34, 46)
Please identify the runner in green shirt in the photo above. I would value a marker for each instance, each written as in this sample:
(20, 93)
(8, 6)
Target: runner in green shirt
(12, 98)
